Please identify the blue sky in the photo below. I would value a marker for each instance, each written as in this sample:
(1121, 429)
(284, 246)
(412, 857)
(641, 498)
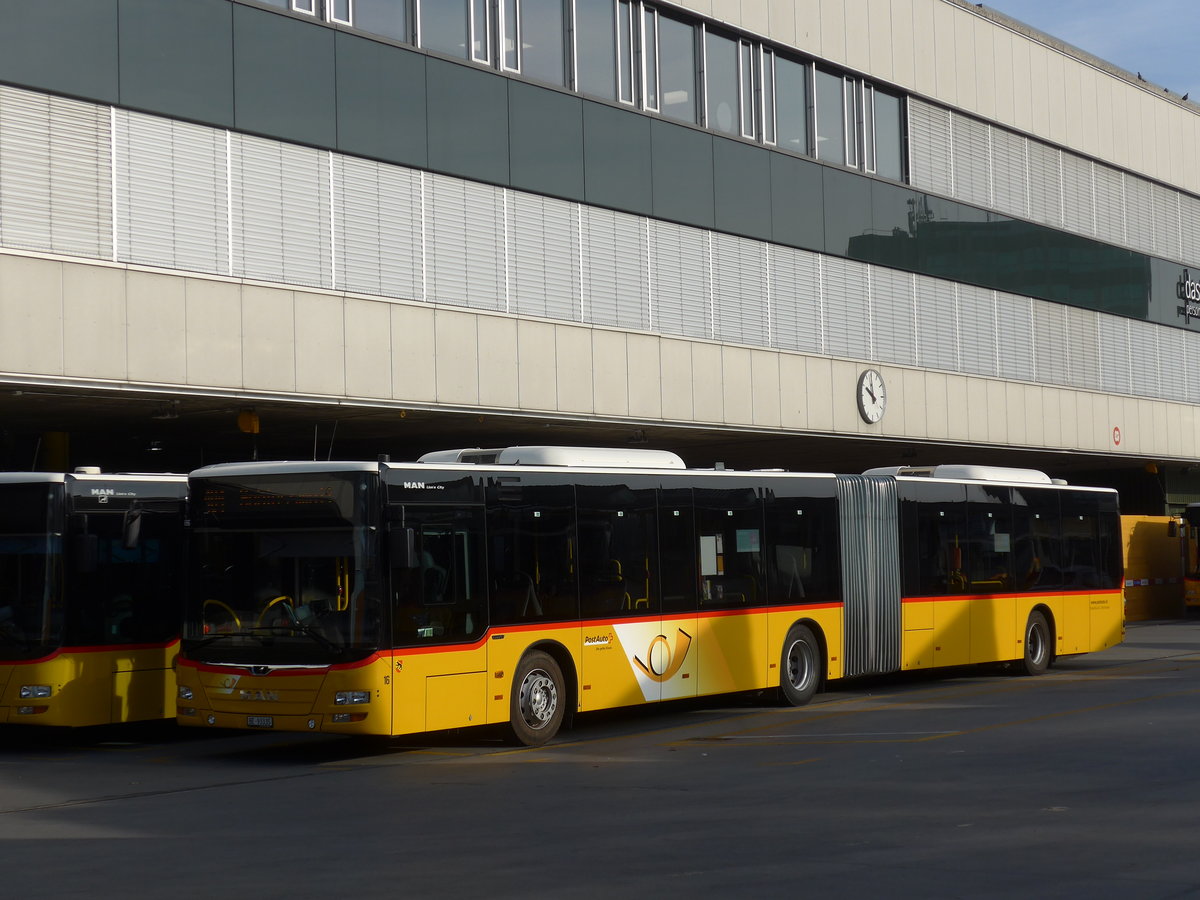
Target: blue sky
(1155, 37)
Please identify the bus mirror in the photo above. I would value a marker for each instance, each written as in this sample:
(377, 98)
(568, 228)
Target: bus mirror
(403, 548)
(131, 528)
(1173, 528)
(87, 552)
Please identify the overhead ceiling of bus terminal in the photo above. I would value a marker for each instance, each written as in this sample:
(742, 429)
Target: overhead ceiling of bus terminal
(125, 431)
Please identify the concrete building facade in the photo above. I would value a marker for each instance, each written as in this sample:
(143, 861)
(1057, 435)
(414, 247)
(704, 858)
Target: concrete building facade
(605, 219)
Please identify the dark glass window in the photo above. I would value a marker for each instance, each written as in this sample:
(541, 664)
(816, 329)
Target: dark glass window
(1037, 544)
(595, 48)
(729, 524)
(831, 117)
(933, 517)
(677, 552)
(618, 551)
(803, 561)
(677, 69)
(531, 551)
(988, 555)
(650, 59)
(889, 137)
(1091, 540)
(439, 592)
(626, 82)
(542, 39)
(388, 18)
(445, 26)
(721, 82)
(746, 77)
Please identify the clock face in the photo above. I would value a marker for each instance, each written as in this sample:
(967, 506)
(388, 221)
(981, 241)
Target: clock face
(872, 396)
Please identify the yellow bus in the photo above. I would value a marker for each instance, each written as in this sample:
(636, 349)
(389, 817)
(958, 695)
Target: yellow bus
(522, 585)
(91, 569)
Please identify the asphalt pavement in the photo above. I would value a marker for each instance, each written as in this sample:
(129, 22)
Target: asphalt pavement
(1079, 783)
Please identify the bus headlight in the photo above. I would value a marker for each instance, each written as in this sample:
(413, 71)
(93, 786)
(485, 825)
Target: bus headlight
(34, 690)
(345, 698)
(185, 692)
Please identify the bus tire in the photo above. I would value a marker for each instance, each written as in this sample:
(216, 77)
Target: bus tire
(1037, 644)
(538, 699)
(799, 666)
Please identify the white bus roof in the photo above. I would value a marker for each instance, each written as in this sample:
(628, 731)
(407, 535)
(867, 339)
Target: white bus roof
(592, 457)
(967, 473)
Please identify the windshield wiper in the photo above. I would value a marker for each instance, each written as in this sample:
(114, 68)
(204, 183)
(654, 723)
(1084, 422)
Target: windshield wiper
(208, 639)
(308, 630)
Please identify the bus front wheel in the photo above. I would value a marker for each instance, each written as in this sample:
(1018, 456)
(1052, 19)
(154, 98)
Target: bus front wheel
(1037, 644)
(538, 697)
(800, 666)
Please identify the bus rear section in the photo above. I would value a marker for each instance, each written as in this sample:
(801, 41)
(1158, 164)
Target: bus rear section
(92, 571)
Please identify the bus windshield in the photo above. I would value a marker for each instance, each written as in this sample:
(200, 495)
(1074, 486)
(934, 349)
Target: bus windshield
(266, 594)
(31, 611)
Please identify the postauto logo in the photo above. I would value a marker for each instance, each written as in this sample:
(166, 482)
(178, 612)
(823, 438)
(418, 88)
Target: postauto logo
(657, 667)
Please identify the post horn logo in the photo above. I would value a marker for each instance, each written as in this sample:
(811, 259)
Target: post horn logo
(664, 661)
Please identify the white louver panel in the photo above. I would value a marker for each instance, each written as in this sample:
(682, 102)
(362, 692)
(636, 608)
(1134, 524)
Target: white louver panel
(1172, 345)
(1139, 214)
(1014, 325)
(972, 161)
(1079, 204)
(1191, 342)
(1050, 343)
(739, 290)
(937, 324)
(1114, 354)
(55, 174)
(1189, 227)
(1110, 204)
(847, 307)
(281, 212)
(543, 242)
(1045, 184)
(616, 287)
(1165, 203)
(893, 316)
(1010, 173)
(977, 330)
(465, 252)
(1144, 357)
(929, 146)
(796, 312)
(377, 228)
(679, 261)
(172, 194)
(1084, 359)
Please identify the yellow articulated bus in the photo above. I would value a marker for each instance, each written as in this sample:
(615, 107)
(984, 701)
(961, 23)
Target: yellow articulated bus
(91, 570)
(522, 585)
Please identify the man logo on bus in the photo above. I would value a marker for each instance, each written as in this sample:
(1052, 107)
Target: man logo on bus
(664, 662)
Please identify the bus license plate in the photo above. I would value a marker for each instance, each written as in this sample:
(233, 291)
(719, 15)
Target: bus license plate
(260, 721)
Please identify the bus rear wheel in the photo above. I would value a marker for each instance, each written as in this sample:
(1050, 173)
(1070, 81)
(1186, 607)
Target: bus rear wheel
(800, 666)
(1037, 644)
(538, 697)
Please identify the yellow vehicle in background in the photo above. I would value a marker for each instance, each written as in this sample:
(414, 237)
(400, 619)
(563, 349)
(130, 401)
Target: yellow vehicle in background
(90, 579)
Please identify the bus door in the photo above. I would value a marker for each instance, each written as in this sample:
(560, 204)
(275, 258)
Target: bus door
(731, 627)
(439, 617)
(627, 654)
